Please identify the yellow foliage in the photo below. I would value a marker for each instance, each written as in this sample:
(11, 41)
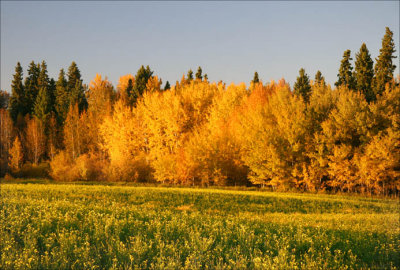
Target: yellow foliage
(62, 169)
(86, 167)
(379, 167)
(15, 155)
(35, 140)
(125, 86)
(170, 118)
(76, 132)
(125, 143)
(153, 84)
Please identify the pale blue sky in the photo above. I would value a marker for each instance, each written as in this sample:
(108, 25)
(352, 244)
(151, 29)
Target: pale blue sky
(229, 40)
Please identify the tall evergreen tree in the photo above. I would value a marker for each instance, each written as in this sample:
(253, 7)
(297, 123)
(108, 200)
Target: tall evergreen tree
(74, 75)
(44, 82)
(319, 79)
(167, 86)
(141, 78)
(384, 66)
(31, 86)
(75, 87)
(364, 72)
(345, 75)
(17, 100)
(43, 79)
(62, 98)
(302, 86)
(255, 78)
(206, 77)
(42, 106)
(77, 96)
(190, 75)
(52, 94)
(198, 74)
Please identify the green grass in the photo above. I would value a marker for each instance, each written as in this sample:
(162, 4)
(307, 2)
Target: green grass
(48, 226)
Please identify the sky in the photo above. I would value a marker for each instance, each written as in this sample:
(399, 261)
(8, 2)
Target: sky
(229, 40)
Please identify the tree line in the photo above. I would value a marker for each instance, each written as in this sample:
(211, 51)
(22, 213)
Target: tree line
(312, 137)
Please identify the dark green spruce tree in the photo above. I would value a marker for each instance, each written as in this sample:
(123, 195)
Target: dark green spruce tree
(129, 92)
(75, 87)
(199, 74)
(18, 99)
(52, 94)
(319, 79)
(302, 85)
(255, 78)
(42, 106)
(345, 75)
(384, 66)
(141, 78)
(364, 73)
(190, 75)
(31, 86)
(167, 86)
(61, 98)
(45, 82)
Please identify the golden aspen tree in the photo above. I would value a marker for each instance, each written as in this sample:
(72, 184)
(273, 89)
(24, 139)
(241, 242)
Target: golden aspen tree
(274, 133)
(16, 155)
(170, 117)
(52, 138)
(322, 101)
(125, 87)
(100, 97)
(75, 132)
(6, 133)
(345, 133)
(212, 151)
(379, 167)
(35, 140)
(153, 84)
(125, 144)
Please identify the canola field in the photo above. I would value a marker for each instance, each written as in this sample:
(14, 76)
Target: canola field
(50, 226)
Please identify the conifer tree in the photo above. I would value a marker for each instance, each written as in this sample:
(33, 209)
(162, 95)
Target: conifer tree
(31, 86)
(319, 79)
(75, 87)
(255, 78)
(61, 98)
(46, 96)
(198, 74)
(190, 75)
(345, 75)
(52, 94)
(384, 66)
(206, 77)
(364, 72)
(167, 86)
(141, 78)
(74, 75)
(17, 100)
(302, 86)
(42, 106)
(43, 79)
(77, 95)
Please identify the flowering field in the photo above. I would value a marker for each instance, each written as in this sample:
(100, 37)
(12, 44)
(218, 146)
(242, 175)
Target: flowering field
(92, 227)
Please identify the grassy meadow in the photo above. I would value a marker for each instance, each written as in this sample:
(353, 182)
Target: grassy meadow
(54, 226)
